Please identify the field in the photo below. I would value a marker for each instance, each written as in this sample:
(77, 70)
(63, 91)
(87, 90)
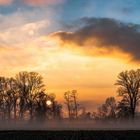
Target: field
(71, 135)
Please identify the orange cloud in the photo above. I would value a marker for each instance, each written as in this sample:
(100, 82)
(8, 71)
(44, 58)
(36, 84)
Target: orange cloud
(41, 2)
(5, 2)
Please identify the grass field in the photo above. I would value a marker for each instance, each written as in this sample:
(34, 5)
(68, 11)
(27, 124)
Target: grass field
(70, 135)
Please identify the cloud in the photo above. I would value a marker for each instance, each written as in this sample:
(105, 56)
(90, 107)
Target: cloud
(26, 25)
(127, 10)
(105, 34)
(5, 2)
(32, 2)
(26, 32)
(42, 2)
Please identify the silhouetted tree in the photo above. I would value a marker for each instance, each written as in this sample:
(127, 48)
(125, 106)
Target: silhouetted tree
(57, 110)
(68, 102)
(74, 96)
(26, 95)
(52, 106)
(112, 106)
(129, 82)
(102, 112)
(71, 102)
(8, 96)
(3, 89)
(123, 108)
(41, 107)
(13, 90)
(108, 110)
(29, 85)
(48, 111)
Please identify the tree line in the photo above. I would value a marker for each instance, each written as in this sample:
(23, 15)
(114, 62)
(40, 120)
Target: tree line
(128, 83)
(24, 97)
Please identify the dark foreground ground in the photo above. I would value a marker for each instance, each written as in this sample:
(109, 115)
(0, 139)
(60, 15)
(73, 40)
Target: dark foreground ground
(71, 135)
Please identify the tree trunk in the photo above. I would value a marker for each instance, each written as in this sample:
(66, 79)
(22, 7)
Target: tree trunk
(75, 103)
(15, 112)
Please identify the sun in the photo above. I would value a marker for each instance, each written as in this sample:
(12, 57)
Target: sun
(49, 102)
(31, 32)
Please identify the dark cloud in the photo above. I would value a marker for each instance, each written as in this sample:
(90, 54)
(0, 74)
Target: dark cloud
(106, 33)
(127, 10)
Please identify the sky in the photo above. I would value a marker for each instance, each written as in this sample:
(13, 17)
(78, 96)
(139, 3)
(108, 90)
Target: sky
(73, 44)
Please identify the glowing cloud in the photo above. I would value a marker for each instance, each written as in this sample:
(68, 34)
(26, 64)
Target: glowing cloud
(26, 32)
(5, 2)
(41, 2)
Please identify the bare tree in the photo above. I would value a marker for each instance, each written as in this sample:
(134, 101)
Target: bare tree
(56, 110)
(41, 107)
(108, 110)
(67, 101)
(129, 88)
(123, 108)
(74, 96)
(25, 95)
(112, 107)
(3, 89)
(71, 102)
(13, 95)
(8, 96)
(29, 85)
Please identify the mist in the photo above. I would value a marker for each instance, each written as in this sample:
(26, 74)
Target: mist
(71, 125)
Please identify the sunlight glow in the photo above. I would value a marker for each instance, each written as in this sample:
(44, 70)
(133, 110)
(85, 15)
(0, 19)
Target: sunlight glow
(49, 102)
